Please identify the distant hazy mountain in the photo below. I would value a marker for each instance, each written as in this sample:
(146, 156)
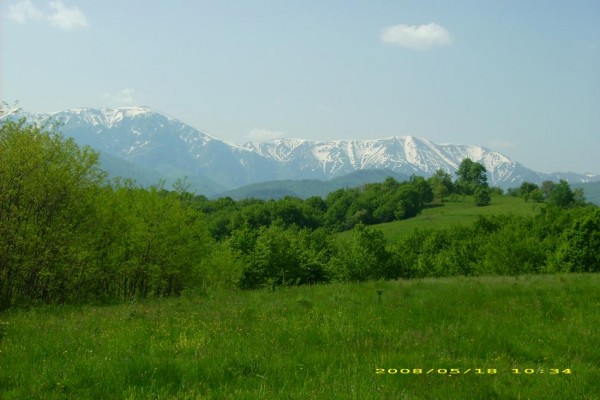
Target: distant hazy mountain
(304, 188)
(156, 142)
(591, 190)
(146, 177)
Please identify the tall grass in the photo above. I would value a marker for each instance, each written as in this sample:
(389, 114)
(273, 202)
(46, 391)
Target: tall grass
(318, 342)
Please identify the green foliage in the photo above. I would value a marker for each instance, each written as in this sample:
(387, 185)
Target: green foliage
(461, 212)
(274, 256)
(376, 203)
(482, 196)
(511, 249)
(362, 258)
(496, 191)
(471, 175)
(441, 184)
(561, 195)
(163, 243)
(48, 189)
(546, 187)
(579, 251)
(526, 188)
(553, 240)
(68, 236)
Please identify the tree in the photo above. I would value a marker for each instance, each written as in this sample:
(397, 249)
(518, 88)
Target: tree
(363, 257)
(280, 257)
(578, 251)
(441, 184)
(482, 196)
(579, 196)
(546, 188)
(526, 189)
(470, 176)
(423, 188)
(561, 194)
(536, 195)
(48, 194)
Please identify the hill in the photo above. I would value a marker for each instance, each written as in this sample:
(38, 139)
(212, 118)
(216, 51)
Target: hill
(461, 212)
(309, 187)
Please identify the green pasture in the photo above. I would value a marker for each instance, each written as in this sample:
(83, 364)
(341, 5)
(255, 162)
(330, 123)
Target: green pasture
(530, 337)
(461, 212)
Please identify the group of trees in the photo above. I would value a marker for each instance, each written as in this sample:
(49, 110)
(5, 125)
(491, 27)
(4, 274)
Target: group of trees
(341, 210)
(555, 240)
(373, 203)
(559, 194)
(67, 234)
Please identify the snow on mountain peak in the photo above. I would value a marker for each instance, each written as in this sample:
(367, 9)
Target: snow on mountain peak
(154, 140)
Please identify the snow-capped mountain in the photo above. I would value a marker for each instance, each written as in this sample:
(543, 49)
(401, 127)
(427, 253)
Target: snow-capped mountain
(149, 139)
(152, 140)
(402, 154)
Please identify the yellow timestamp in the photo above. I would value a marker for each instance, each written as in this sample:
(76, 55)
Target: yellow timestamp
(534, 371)
(472, 371)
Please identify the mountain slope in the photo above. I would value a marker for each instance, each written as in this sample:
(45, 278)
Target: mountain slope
(154, 141)
(402, 154)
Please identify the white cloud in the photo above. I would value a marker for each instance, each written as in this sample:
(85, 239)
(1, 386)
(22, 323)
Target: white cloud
(125, 97)
(24, 11)
(416, 37)
(57, 14)
(261, 135)
(67, 18)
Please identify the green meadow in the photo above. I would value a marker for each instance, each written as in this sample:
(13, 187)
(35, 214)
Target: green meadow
(452, 213)
(529, 337)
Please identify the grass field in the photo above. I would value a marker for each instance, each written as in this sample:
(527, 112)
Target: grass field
(454, 213)
(458, 338)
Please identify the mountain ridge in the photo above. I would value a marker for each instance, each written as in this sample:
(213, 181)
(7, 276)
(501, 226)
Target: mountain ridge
(153, 140)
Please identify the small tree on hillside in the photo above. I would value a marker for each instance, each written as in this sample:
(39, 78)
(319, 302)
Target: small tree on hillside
(482, 196)
(471, 175)
(441, 184)
(561, 195)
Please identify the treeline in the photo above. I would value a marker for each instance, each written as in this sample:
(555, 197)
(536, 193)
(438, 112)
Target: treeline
(341, 210)
(67, 234)
(555, 240)
(559, 194)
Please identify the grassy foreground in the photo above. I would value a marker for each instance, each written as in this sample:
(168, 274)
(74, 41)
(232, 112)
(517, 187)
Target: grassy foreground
(456, 338)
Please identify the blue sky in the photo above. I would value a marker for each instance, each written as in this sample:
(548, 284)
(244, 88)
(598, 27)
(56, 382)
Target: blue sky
(519, 77)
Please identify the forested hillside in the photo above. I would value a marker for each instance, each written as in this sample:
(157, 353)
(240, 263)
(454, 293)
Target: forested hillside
(68, 235)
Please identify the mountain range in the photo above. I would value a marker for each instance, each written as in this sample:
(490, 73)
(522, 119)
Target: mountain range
(147, 145)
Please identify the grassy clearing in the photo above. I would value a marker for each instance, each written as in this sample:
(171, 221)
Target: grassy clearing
(319, 342)
(454, 213)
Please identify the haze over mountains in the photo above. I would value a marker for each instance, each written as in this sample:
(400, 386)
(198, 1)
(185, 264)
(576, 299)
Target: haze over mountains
(145, 144)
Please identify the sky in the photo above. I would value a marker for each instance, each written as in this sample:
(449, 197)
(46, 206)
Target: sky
(519, 77)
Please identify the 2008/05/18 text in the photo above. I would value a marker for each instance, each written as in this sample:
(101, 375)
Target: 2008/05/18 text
(475, 371)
